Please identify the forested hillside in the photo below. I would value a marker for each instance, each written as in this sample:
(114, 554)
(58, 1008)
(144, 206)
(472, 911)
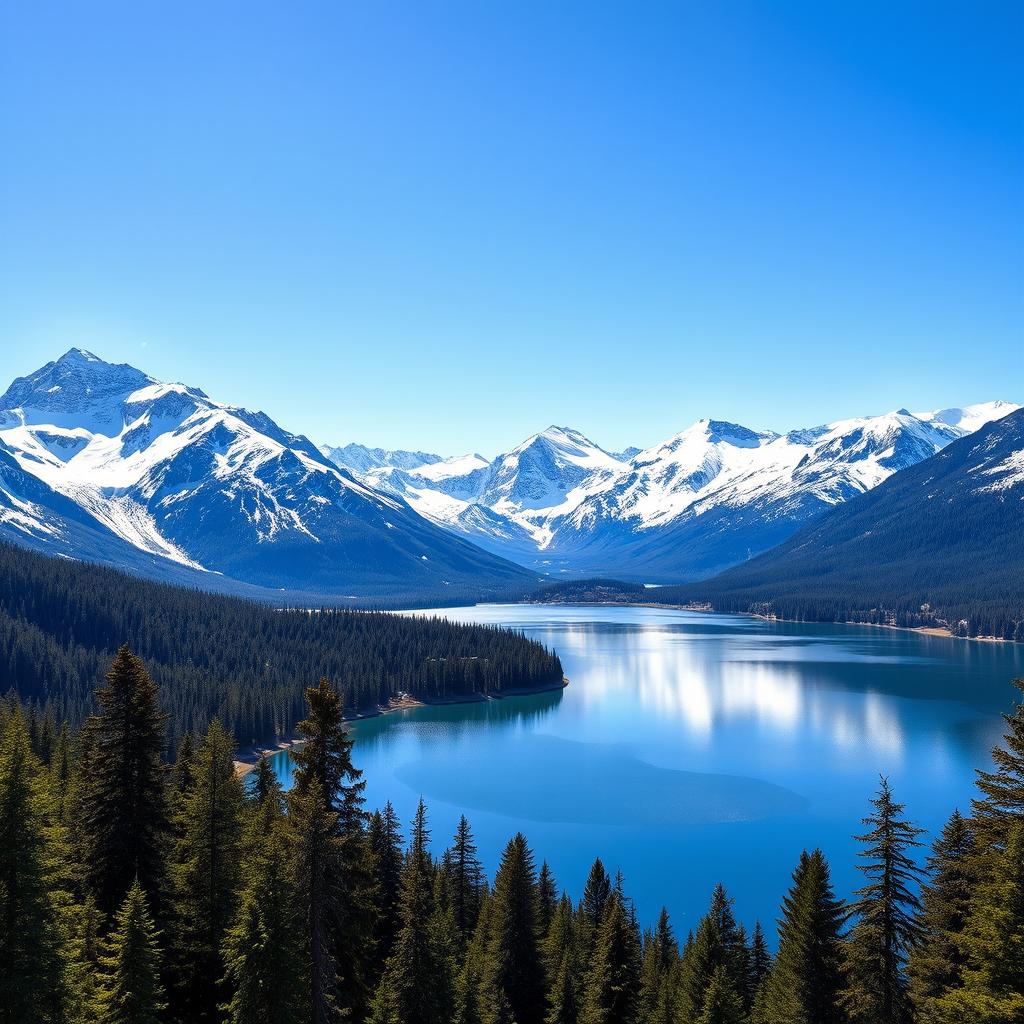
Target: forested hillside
(61, 622)
(140, 892)
(939, 543)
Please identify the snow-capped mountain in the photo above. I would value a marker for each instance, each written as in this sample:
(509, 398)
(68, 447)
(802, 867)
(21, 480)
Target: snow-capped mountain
(188, 481)
(508, 505)
(709, 497)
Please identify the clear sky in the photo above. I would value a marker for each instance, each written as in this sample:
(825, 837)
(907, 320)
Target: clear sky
(447, 225)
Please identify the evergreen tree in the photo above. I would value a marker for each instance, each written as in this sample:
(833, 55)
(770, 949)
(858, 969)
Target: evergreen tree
(807, 982)
(992, 990)
(386, 846)
(416, 987)
(547, 897)
(30, 851)
(717, 943)
(83, 948)
(123, 814)
(131, 992)
(466, 880)
(937, 961)
(885, 910)
(333, 860)
(596, 894)
(263, 946)
(613, 981)
(562, 965)
(657, 973)
(206, 874)
(1001, 806)
(760, 962)
(61, 765)
(722, 1002)
(513, 981)
(262, 782)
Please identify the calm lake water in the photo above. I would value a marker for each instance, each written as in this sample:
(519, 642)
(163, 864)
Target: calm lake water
(692, 748)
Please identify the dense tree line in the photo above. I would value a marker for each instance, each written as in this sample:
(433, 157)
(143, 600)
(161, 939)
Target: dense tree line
(134, 891)
(246, 663)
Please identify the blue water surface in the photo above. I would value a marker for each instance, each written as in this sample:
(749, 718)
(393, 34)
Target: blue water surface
(692, 748)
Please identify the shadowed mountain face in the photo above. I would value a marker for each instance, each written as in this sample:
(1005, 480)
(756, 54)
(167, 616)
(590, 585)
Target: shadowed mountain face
(163, 478)
(713, 495)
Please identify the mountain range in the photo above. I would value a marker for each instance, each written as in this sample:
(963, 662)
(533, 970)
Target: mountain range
(103, 461)
(100, 461)
(939, 543)
(707, 498)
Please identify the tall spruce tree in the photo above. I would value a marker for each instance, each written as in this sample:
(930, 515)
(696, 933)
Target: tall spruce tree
(83, 947)
(386, 846)
(885, 911)
(936, 962)
(717, 943)
(992, 988)
(562, 965)
(465, 879)
(30, 855)
(122, 809)
(333, 861)
(205, 873)
(1000, 807)
(807, 982)
(613, 981)
(131, 991)
(416, 987)
(262, 948)
(658, 973)
(513, 979)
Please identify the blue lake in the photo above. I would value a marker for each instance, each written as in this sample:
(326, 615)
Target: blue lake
(692, 748)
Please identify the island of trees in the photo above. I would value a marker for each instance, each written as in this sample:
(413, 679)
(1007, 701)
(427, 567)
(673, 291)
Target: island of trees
(135, 891)
(246, 663)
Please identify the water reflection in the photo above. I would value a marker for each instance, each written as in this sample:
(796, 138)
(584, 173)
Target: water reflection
(690, 748)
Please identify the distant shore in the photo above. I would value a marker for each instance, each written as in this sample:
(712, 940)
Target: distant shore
(926, 630)
(247, 758)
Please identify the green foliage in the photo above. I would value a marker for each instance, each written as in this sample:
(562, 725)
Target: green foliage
(122, 810)
(130, 987)
(1000, 805)
(807, 982)
(613, 981)
(886, 909)
(62, 621)
(30, 850)
(993, 946)
(205, 874)
(937, 961)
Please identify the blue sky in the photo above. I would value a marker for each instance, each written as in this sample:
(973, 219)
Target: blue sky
(447, 225)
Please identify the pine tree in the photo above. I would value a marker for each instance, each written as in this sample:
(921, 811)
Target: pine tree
(263, 947)
(596, 893)
(760, 962)
(807, 983)
(722, 1002)
(547, 897)
(613, 981)
(30, 852)
(262, 781)
(333, 861)
(466, 880)
(1001, 806)
(885, 910)
(657, 973)
(83, 948)
(123, 814)
(936, 962)
(386, 847)
(992, 991)
(130, 991)
(206, 874)
(717, 943)
(514, 976)
(416, 987)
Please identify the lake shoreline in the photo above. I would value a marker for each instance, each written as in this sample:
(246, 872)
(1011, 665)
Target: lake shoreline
(924, 630)
(247, 759)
